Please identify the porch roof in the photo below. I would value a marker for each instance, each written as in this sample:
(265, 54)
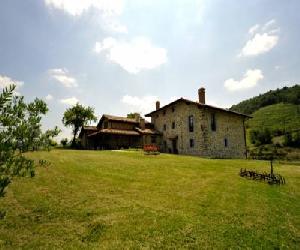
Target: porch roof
(116, 132)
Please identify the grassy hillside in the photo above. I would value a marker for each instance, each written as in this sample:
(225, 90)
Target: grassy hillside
(289, 95)
(276, 117)
(117, 200)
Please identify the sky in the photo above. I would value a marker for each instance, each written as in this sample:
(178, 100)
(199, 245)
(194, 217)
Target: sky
(121, 56)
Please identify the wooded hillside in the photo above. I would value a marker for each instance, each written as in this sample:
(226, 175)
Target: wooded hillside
(289, 95)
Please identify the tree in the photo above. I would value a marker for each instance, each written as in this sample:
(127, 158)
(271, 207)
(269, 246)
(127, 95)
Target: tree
(292, 139)
(64, 142)
(133, 115)
(260, 137)
(269, 153)
(20, 131)
(77, 117)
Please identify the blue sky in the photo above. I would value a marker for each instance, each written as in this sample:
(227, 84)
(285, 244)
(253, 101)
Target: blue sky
(121, 56)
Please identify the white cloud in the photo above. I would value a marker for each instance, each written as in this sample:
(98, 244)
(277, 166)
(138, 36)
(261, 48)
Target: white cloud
(77, 7)
(261, 42)
(253, 29)
(49, 97)
(69, 101)
(63, 76)
(268, 24)
(5, 81)
(250, 80)
(143, 104)
(113, 25)
(108, 11)
(133, 56)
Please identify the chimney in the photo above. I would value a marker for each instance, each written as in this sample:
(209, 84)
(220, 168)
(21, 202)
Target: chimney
(157, 105)
(201, 95)
(142, 123)
(137, 117)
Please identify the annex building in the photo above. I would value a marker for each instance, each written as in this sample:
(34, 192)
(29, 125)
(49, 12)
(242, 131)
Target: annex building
(115, 132)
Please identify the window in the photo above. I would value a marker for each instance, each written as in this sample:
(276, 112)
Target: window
(225, 142)
(157, 115)
(213, 122)
(153, 139)
(105, 124)
(164, 112)
(173, 109)
(191, 143)
(173, 125)
(165, 127)
(191, 123)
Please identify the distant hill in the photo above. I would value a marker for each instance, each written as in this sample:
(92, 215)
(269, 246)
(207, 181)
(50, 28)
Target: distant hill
(289, 95)
(278, 118)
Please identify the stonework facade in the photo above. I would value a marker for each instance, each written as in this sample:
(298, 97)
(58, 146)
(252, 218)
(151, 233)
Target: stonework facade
(180, 127)
(194, 128)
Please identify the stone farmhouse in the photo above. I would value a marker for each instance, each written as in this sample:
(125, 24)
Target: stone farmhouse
(180, 127)
(195, 128)
(114, 132)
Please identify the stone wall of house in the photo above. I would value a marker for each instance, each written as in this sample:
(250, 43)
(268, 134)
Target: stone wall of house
(206, 142)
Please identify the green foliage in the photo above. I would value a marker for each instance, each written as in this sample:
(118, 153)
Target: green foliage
(285, 95)
(278, 118)
(292, 139)
(260, 137)
(133, 115)
(20, 132)
(77, 117)
(64, 142)
(44, 163)
(268, 152)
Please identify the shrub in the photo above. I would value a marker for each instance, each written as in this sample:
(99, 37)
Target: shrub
(260, 137)
(64, 142)
(292, 139)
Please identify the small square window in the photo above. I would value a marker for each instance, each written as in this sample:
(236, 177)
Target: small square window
(191, 143)
(173, 125)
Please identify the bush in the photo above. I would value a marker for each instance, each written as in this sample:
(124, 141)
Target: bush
(292, 139)
(64, 142)
(260, 137)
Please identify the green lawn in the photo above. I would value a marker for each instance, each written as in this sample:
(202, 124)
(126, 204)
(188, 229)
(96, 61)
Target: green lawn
(117, 200)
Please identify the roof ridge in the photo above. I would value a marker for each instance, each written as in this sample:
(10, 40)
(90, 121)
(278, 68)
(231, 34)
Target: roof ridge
(198, 104)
